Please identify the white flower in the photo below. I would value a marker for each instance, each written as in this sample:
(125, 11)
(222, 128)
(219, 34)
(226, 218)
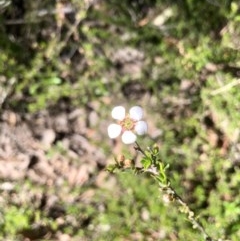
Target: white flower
(128, 125)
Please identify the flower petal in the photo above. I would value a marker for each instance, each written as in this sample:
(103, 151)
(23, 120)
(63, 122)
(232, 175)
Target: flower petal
(114, 130)
(136, 113)
(118, 113)
(128, 137)
(141, 127)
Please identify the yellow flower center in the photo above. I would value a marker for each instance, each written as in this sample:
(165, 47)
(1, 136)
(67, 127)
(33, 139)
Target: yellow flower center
(127, 123)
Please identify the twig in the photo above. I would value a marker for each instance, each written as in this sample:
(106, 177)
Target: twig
(226, 87)
(173, 196)
(4, 91)
(188, 211)
(138, 148)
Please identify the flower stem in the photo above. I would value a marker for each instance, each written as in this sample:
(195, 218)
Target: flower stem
(173, 196)
(137, 147)
(185, 208)
(157, 171)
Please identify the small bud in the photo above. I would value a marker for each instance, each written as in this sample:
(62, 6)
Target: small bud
(190, 214)
(155, 149)
(128, 163)
(167, 198)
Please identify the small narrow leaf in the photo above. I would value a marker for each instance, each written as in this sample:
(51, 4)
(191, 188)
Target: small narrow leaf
(146, 162)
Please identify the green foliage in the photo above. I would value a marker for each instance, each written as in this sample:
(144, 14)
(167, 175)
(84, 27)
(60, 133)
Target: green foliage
(14, 219)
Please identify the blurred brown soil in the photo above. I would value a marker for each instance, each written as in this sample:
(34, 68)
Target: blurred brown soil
(52, 150)
(26, 142)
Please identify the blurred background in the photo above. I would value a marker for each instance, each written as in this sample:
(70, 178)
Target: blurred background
(65, 64)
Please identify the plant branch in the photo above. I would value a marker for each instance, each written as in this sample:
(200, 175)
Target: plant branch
(173, 196)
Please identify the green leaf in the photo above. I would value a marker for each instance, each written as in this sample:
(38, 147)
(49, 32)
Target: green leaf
(148, 154)
(110, 168)
(146, 162)
(53, 81)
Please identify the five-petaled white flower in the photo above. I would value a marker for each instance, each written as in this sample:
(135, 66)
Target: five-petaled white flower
(128, 124)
